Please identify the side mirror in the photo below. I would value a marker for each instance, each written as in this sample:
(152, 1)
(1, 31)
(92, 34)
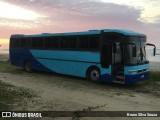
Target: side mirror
(134, 52)
(154, 51)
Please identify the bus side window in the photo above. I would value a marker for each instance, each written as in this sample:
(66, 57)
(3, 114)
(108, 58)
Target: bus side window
(64, 42)
(51, 42)
(12, 43)
(93, 42)
(105, 59)
(55, 42)
(16, 42)
(72, 41)
(24, 43)
(48, 43)
(37, 43)
(83, 42)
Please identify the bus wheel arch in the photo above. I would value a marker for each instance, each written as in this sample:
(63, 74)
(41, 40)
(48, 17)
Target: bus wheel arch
(93, 74)
(28, 66)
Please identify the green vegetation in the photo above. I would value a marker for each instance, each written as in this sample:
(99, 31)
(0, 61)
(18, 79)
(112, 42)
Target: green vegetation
(151, 86)
(4, 105)
(154, 76)
(5, 66)
(10, 94)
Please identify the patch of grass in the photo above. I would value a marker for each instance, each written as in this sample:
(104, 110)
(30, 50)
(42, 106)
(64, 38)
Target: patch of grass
(5, 66)
(90, 108)
(155, 76)
(10, 94)
(152, 85)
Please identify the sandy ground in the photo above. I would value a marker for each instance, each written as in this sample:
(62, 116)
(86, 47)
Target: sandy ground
(4, 57)
(155, 66)
(65, 93)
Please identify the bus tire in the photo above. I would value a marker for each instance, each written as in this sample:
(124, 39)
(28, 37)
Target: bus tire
(93, 74)
(28, 67)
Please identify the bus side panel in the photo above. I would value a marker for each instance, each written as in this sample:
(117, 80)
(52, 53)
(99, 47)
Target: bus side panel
(67, 67)
(44, 60)
(80, 56)
(71, 62)
(75, 68)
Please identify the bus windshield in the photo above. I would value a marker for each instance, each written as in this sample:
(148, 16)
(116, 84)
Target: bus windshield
(141, 56)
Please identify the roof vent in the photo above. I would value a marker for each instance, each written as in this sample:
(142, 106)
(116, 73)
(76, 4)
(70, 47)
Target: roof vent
(93, 30)
(46, 33)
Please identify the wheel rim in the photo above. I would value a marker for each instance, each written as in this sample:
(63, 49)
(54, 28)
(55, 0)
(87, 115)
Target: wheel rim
(95, 75)
(28, 67)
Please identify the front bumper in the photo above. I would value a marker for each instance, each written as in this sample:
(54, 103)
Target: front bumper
(132, 79)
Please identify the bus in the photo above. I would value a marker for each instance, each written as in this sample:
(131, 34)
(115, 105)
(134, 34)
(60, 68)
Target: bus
(107, 55)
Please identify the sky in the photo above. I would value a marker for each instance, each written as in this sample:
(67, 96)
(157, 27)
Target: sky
(54, 16)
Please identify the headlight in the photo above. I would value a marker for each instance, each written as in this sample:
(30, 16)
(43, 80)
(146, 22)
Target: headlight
(131, 72)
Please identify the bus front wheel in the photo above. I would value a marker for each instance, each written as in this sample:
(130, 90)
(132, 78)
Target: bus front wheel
(28, 66)
(93, 74)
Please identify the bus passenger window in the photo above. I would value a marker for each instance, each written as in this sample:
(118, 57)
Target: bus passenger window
(37, 43)
(64, 42)
(55, 42)
(51, 42)
(48, 43)
(72, 42)
(83, 42)
(24, 43)
(17, 43)
(93, 42)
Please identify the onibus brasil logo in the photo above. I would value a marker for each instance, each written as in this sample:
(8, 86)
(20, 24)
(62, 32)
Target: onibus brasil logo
(21, 114)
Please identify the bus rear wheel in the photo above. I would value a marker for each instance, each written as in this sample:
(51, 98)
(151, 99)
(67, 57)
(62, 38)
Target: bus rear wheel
(28, 66)
(93, 74)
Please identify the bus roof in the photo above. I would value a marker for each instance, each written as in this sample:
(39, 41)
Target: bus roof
(90, 32)
(124, 32)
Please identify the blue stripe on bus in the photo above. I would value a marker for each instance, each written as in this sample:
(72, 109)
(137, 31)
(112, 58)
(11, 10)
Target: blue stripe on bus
(67, 67)
(93, 57)
(18, 58)
(73, 68)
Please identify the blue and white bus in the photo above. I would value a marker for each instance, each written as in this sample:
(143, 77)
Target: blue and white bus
(108, 55)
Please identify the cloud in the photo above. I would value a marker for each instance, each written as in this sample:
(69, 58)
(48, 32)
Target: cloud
(15, 12)
(78, 15)
(149, 9)
(144, 11)
(83, 12)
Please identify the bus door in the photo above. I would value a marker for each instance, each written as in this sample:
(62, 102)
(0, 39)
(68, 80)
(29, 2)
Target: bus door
(117, 62)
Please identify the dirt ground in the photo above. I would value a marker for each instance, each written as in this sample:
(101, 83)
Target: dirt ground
(66, 93)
